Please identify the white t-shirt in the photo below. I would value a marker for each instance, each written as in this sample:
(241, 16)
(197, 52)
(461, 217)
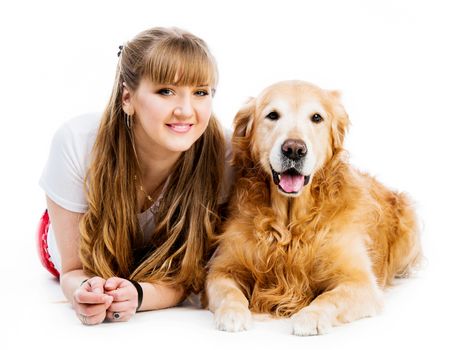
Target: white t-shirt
(63, 176)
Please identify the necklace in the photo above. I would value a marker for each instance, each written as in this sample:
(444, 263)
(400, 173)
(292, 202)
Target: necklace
(150, 199)
(147, 195)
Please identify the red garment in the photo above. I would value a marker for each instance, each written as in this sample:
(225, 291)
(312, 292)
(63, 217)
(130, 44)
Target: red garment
(42, 244)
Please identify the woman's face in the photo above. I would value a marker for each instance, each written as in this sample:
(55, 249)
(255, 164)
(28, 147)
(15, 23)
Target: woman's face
(168, 118)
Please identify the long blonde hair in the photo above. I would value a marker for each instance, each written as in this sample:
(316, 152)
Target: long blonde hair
(187, 217)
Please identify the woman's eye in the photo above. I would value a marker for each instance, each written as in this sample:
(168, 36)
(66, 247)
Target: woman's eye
(165, 92)
(202, 93)
(316, 118)
(273, 116)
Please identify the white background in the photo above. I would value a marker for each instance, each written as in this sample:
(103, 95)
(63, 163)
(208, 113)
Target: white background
(399, 67)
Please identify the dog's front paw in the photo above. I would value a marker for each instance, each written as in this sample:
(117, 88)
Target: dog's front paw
(307, 322)
(232, 318)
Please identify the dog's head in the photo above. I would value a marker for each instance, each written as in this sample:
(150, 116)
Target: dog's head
(291, 130)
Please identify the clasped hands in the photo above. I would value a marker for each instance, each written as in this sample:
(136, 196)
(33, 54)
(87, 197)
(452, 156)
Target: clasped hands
(97, 299)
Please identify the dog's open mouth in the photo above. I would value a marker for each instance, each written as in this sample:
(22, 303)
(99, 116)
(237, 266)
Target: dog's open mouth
(290, 181)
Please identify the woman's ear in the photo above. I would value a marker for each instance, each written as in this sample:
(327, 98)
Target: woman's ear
(340, 121)
(241, 139)
(127, 97)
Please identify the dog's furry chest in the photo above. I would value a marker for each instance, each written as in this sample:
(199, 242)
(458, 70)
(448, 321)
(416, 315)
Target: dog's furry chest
(284, 274)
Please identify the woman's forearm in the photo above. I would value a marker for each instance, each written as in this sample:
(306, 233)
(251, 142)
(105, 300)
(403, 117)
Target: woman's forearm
(155, 296)
(158, 296)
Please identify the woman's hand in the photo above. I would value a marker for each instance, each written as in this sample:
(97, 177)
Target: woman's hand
(125, 299)
(90, 302)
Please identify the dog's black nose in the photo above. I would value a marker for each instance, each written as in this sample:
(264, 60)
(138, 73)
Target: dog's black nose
(294, 149)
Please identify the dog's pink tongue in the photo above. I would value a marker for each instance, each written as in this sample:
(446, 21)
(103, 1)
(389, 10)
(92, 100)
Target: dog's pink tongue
(291, 183)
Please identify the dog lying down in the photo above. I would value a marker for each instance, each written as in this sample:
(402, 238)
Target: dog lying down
(308, 236)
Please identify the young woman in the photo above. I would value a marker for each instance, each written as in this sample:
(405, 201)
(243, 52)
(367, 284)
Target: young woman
(133, 195)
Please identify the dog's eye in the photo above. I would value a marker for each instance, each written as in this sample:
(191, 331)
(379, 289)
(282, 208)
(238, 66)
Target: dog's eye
(316, 118)
(273, 115)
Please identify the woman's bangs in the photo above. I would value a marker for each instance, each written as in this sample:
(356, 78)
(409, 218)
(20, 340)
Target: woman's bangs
(181, 63)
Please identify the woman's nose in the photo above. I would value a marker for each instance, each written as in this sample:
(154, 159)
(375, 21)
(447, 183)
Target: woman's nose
(184, 108)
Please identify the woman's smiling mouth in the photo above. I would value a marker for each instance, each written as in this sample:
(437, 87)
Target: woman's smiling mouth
(180, 127)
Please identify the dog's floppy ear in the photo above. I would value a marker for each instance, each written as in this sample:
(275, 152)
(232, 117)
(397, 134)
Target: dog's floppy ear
(340, 122)
(241, 139)
(244, 118)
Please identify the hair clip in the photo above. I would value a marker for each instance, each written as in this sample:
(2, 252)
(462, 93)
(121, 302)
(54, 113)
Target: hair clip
(120, 50)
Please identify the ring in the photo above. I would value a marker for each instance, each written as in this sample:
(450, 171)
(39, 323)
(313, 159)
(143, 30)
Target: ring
(116, 315)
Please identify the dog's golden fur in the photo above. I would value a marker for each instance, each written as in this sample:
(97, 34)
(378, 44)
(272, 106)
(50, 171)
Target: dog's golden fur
(321, 256)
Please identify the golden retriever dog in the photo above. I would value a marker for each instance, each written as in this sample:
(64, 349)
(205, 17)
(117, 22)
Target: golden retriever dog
(307, 236)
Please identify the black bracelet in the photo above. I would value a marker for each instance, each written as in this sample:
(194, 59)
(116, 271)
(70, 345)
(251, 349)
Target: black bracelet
(139, 291)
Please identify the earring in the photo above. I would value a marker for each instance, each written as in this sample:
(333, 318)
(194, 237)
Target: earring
(128, 121)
